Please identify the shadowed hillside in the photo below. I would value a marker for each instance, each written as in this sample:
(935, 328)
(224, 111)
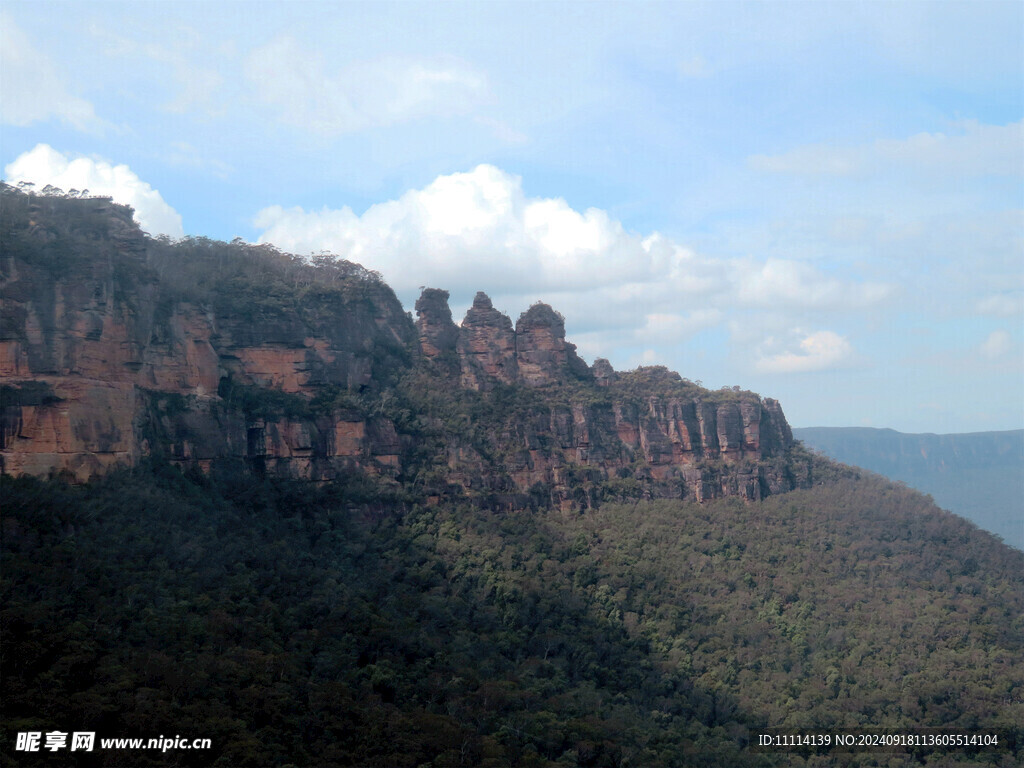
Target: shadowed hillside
(339, 626)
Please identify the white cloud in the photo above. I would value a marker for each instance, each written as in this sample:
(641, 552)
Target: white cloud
(33, 89)
(818, 351)
(478, 230)
(185, 155)
(998, 344)
(977, 150)
(619, 290)
(363, 95)
(798, 284)
(472, 230)
(1005, 304)
(44, 165)
(672, 328)
(610, 323)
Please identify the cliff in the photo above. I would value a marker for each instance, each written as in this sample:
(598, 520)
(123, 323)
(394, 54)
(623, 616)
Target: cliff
(115, 347)
(544, 422)
(486, 346)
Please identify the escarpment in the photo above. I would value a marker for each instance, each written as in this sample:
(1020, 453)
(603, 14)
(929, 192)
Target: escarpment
(115, 347)
(547, 423)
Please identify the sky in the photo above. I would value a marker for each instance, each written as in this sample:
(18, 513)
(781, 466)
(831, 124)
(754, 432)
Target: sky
(821, 202)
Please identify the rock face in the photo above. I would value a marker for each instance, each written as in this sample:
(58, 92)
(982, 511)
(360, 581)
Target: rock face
(542, 353)
(604, 374)
(103, 364)
(487, 346)
(664, 445)
(648, 428)
(114, 347)
(490, 352)
(438, 335)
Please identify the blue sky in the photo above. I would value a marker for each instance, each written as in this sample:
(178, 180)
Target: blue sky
(821, 202)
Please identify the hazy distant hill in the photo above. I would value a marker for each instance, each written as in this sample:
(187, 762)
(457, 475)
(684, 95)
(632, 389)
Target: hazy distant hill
(979, 475)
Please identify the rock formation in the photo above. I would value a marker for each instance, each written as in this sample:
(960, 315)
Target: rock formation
(489, 351)
(487, 346)
(438, 335)
(114, 347)
(603, 373)
(542, 353)
(650, 427)
(103, 362)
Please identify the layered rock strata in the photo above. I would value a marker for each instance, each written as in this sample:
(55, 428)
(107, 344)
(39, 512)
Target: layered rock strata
(490, 352)
(438, 335)
(108, 354)
(102, 364)
(675, 437)
(542, 353)
(487, 346)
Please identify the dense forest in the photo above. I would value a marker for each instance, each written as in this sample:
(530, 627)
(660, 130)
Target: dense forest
(302, 625)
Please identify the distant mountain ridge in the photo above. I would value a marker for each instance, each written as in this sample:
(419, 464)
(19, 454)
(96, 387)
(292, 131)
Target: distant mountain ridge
(979, 475)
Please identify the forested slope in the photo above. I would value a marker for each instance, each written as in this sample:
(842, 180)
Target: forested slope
(345, 626)
(979, 475)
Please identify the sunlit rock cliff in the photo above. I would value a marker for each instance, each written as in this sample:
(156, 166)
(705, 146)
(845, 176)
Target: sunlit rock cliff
(115, 347)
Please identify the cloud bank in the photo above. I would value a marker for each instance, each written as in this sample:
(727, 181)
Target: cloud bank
(44, 165)
(479, 230)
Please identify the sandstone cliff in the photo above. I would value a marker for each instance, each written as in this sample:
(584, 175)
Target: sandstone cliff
(486, 346)
(115, 347)
(568, 434)
(110, 350)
